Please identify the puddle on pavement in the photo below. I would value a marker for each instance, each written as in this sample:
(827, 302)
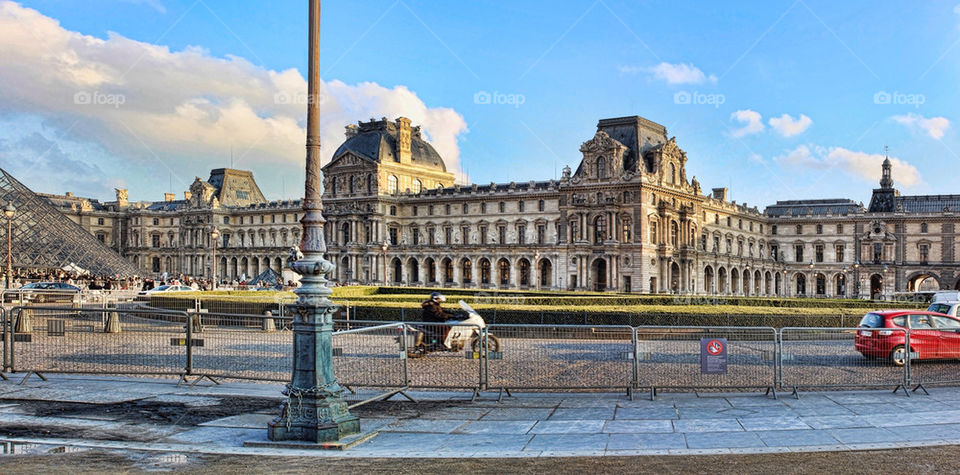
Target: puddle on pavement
(161, 462)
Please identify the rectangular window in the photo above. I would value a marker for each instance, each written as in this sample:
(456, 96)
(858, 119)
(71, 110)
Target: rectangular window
(155, 240)
(430, 210)
(819, 229)
(416, 210)
(924, 253)
(775, 253)
(540, 205)
(465, 235)
(819, 252)
(798, 250)
(483, 235)
(446, 209)
(840, 250)
(799, 229)
(465, 208)
(773, 229)
(520, 206)
(521, 234)
(541, 234)
(448, 235)
(840, 229)
(432, 236)
(502, 231)
(483, 208)
(502, 206)
(416, 237)
(393, 237)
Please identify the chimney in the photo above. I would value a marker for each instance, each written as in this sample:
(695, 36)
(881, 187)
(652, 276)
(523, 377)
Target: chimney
(168, 197)
(403, 140)
(187, 195)
(720, 194)
(122, 197)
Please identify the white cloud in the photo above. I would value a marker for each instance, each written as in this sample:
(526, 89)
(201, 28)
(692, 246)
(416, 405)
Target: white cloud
(788, 126)
(934, 126)
(752, 119)
(860, 164)
(185, 107)
(675, 73)
(756, 158)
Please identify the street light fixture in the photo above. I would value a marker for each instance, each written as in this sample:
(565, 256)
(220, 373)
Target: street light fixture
(8, 213)
(214, 236)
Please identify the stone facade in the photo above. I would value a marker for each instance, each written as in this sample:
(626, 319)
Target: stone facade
(627, 219)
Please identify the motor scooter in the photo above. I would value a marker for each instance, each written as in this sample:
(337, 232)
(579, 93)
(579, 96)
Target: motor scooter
(451, 336)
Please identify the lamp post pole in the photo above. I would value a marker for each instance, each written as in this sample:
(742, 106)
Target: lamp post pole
(8, 212)
(314, 410)
(214, 236)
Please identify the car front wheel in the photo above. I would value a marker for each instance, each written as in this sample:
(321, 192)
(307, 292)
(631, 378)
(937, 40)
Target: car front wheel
(898, 355)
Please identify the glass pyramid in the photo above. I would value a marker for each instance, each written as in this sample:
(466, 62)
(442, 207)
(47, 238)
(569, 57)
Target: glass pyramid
(44, 238)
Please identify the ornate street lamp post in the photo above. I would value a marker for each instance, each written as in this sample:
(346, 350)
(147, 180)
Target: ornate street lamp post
(537, 272)
(856, 278)
(8, 213)
(383, 249)
(214, 236)
(314, 410)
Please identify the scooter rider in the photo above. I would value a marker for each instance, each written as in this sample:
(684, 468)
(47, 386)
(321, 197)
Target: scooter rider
(434, 313)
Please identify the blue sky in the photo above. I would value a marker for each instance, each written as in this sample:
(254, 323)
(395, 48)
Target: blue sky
(851, 77)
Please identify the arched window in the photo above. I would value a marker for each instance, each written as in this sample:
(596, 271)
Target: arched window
(392, 184)
(504, 266)
(467, 272)
(600, 229)
(601, 167)
(417, 186)
(484, 271)
(672, 174)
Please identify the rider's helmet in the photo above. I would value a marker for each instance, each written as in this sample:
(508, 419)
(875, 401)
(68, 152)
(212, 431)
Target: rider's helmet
(437, 297)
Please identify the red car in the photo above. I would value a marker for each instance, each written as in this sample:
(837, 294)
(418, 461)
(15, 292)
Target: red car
(932, 335)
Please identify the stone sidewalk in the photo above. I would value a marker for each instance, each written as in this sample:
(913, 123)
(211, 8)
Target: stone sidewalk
(525, 425)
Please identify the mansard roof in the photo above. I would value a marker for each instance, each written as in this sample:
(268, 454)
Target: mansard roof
(928, 203)
(833, 206)
(377, 141)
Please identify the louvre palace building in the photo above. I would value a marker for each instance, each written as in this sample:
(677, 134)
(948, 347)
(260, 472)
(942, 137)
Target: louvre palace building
(627, 219)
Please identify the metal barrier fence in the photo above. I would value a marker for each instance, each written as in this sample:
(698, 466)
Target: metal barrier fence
(97, 340)
(254, 347)
(556, 357)
(431, 365)
(372, 354)
(678, 358)
(829, 358)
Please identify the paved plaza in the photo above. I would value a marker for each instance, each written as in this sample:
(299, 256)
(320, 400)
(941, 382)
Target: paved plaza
(81, 412)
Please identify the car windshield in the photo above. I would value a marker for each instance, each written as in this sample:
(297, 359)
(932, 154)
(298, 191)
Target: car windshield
(871, 320)
(939, 308)
(161, 288)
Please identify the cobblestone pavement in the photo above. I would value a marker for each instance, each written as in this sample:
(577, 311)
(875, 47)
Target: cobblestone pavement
(69, 413)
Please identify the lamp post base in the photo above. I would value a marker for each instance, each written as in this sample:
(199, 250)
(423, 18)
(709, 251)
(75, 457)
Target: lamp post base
(326, 420)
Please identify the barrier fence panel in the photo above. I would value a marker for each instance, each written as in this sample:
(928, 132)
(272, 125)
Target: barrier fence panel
(98, 340)
(702, 358)
(934, 351)
(370, 357)
(255, 347)
(570, 357)
(432, 365)
(833, 357)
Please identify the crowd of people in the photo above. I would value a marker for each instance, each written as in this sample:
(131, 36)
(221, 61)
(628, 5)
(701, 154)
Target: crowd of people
(86, 281)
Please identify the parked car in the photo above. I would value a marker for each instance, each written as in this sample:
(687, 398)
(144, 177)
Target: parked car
(933, 335)
(165, 289)
(42, 292)
(946, 302)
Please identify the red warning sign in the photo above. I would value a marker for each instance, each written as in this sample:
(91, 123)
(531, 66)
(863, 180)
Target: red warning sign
(715, 347)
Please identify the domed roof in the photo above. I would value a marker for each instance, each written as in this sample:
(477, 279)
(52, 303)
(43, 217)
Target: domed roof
(377, 140)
